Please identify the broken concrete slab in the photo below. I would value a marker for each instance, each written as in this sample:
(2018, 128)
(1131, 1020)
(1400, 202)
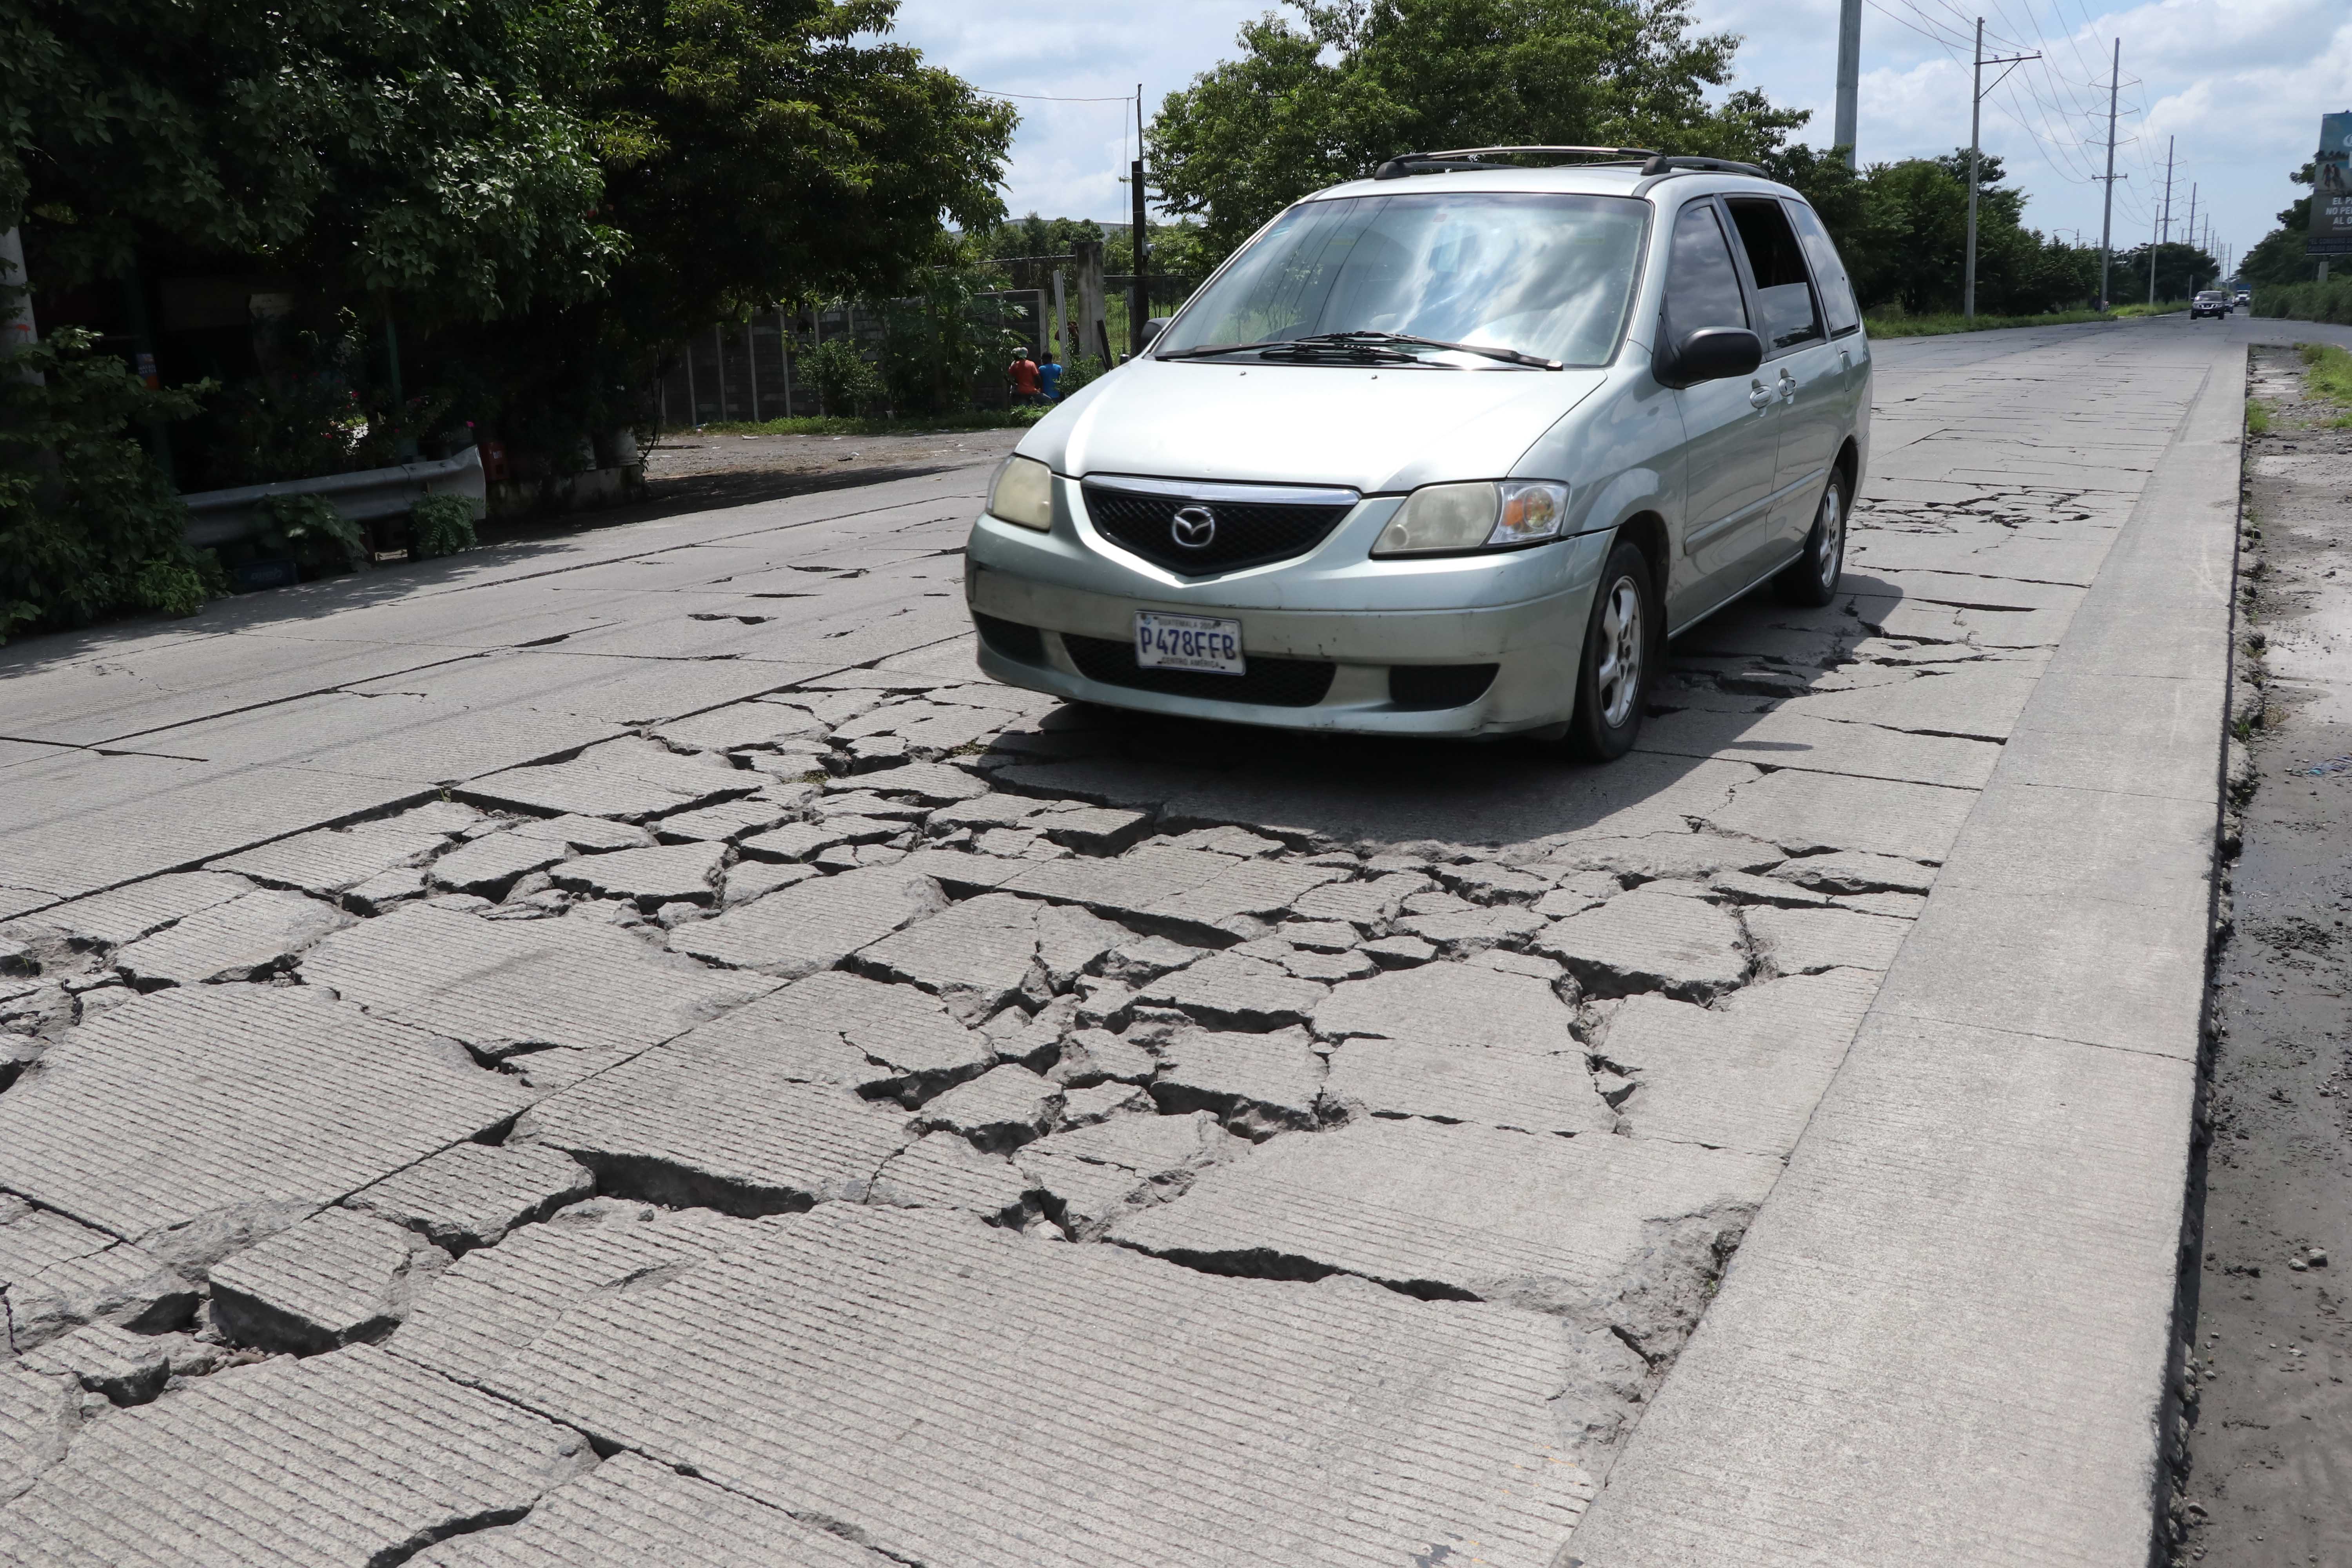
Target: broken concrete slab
(629, 1512)
(748, 879)
(172, 1117)
(336, 1279)
(1257, 1084)
(1449, 1005)
(1368, 903)
(1474, 930)
(1808, 813)
(328, 860)
(1852, 872)
(572, 984)
(1743, 1075)
(933, 783)
(494, 1300)
(472, 1194)
(1646, 941)
(127, 913)
(730, 819)
(1566, 1224)
(128, 1369)
(1381, 1425)
(250, 936)
(38, 1419)
(893, 1040)
(586, 833)
(1227, 990)
(647, 878)
(1189, 894)
(490, 865)
(815, 924)
(1492, 1086)
(1806, 941)
(1100, 1102)
(1096, 1055)
(1002, 1109)
(975, 956)
(1687, 854)
(626, 779)
(57, 1274)
(942, 1170)
(353, 1458)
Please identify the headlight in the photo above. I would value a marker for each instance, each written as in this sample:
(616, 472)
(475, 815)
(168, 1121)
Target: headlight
(1022, 493)
(1474, 517)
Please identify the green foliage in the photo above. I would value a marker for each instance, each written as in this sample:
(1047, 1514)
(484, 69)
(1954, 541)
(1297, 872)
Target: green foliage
(440, 525)
(2328, 302)
(1086, 368)
(310, 529)
(2279, 255)
(1035, 236)
(1942, 323)
(89, 526)
(2258, 417)
(1902, 230)
(843, 380)
(2180, 270)
(934, 349)
(1324, 97)
(2328, 372)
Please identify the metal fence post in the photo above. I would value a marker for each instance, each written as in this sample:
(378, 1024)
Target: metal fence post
(752, 358)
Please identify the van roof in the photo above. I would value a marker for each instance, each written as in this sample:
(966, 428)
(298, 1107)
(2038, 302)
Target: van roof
(1621, 179)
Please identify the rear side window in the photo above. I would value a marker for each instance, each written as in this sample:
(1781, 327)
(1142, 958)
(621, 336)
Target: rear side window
(1829, 271)
(1784, 296)
(1702, 285)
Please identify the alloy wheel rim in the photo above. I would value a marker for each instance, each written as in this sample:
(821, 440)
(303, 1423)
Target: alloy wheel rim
(1619, 678)
(1832, 537)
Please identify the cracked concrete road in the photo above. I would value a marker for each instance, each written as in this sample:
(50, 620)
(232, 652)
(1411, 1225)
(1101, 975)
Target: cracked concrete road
(627, 1047)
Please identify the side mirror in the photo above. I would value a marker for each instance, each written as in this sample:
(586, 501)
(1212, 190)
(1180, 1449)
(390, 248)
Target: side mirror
(1713, 353)
(1151, 328)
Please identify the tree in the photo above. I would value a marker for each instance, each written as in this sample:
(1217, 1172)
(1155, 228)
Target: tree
(2279, 256)
(1354, 81)
(2180, 270)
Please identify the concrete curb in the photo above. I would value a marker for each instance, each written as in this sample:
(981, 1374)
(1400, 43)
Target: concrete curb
(1946, 1337)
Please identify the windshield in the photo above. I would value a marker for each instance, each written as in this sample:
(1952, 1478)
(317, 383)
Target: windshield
(1546, 275)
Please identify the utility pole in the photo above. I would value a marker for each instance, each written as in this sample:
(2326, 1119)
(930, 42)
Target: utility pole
(18, 327)
(1976, 156)
(2189, 229)
(1849, 74)
(2107, 216)
(1139, 293)
(2163, 223)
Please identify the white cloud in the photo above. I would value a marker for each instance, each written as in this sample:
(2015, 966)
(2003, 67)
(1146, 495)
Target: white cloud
(2239, 83)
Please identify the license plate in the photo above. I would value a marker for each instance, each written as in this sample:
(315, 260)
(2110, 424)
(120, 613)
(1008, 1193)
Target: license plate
(1188, 642)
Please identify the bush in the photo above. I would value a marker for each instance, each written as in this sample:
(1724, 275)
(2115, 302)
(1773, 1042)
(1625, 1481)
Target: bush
(1077, 373)
(846, 383)
(441, 526)
(2328, 302)
(311, 530)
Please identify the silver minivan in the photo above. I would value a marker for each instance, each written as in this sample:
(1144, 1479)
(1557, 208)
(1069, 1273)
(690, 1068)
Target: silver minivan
(1449, 452)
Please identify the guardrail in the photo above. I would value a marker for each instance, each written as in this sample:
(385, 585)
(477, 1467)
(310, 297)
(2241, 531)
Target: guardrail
(219, 517)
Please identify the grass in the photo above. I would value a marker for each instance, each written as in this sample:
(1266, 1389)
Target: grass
(2327, 376)
(2258, 418)
(1937, 326)
(812, 424)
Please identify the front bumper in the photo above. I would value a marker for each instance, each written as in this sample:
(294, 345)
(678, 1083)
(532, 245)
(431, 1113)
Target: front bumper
(1523, 613)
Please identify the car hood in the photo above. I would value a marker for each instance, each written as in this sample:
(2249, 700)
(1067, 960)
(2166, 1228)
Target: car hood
(1385, 428)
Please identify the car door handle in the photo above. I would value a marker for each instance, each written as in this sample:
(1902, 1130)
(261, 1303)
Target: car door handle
(1759, 395)
(1788, 385)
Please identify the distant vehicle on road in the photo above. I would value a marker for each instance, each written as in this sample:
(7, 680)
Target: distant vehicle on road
(1449, 452)
(2210, 302)
(2246, 299)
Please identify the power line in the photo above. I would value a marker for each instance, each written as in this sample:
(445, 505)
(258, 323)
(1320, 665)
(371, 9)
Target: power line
(1049, 98)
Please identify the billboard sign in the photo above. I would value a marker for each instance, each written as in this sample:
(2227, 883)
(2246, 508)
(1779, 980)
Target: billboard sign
(2331, 188)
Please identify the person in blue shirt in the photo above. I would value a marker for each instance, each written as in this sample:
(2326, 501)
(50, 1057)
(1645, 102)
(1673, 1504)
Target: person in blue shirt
(1049, 378)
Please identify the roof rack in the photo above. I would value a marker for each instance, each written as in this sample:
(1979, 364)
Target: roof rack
(1661, 165)
(1461, 158)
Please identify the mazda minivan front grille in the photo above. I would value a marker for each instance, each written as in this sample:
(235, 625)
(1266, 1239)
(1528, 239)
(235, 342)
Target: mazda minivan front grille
(1222, 530)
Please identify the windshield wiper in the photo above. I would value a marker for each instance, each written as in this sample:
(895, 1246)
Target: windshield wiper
(1368, 337)
(1207, 349)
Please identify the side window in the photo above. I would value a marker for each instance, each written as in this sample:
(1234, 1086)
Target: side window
(1784, 297)
(1829, 272)
(1702, 285)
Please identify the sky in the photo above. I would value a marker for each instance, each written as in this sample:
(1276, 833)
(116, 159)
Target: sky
(2236, 87)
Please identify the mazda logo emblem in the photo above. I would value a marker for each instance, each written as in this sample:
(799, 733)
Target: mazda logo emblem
(1194, 527)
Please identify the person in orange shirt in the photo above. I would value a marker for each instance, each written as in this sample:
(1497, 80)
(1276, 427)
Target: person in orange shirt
(1023, 372)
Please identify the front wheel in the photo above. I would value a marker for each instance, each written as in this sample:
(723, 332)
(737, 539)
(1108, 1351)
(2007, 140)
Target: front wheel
(1813, 578)
(1613, 681)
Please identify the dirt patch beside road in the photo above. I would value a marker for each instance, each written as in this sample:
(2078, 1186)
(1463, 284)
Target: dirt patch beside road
(2270, 1446)
(684, 456)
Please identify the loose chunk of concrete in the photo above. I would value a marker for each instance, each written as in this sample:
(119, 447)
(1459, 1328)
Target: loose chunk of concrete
(940, 1169)
(493, 1302)
(1492, 1086)
(905, 1043)
(1258, 1085)
(1227, 990)
(812, 925)
(472, 1194)
(576, 985)
(1376, 1427)
(797, 841)
(649, 878)
(329, 860)
(38, 1419)
(348, 1458)
(1850, 872)
(1001, 1108)
(1100, 1102)
(128, 1369)
(208, 1104)
(126, 914)
(1140, 960)
(1185, 893)
(628, 779)
(730, 819)
(381, 892)
(1449, 1005)
(934, 783)
(1328, 968)
(748, 879)
(1806, 941)
(1655, 855)
(56, 1275)
(1745, 1074)
(1644, 941)
(1473, 929)
(630, 1512)
(495, 862)
(1746, 887)
(1487, 882)
(976, 956)
(336, 1279)
(1365, 903)
(1093, 1175)
(1092, 1056)
(1560, 1224)
(586, 833)
(248, 935)
(1399, 952)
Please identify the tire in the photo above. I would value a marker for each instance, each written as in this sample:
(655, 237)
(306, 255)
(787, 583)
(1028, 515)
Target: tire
(1813, 578)
(1621, 638)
